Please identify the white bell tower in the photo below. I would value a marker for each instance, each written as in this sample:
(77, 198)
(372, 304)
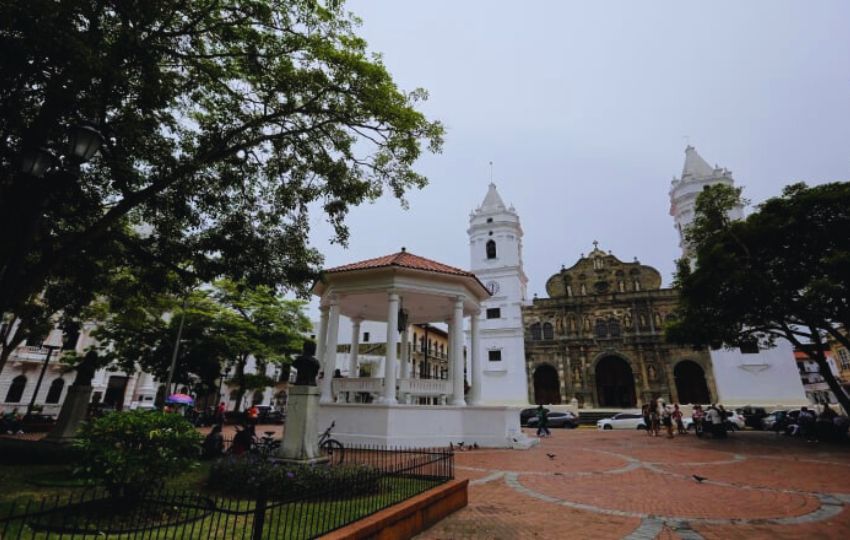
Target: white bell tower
(495, 245)
(697, 174)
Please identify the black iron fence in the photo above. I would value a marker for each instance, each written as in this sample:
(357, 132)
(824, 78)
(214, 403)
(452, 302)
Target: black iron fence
(390, 475)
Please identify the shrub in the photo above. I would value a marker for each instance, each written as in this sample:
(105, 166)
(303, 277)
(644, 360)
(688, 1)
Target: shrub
(130, 452)
(246, 476)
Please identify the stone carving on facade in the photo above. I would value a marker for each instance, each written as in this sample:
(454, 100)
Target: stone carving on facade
(629, 352)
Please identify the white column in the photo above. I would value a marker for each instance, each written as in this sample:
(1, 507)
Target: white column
(353, 370)
(450, 360)
(330, 352)
(392, 339)
(405, 361)
(475, 371)
(457, 346)
(321, 339)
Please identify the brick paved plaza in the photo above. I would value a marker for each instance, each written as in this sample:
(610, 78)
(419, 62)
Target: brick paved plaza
(623, 484)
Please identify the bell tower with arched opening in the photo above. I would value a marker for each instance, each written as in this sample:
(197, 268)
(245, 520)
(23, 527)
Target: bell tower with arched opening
(495, 246)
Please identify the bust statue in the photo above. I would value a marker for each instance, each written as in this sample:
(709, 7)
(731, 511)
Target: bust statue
(307, 365)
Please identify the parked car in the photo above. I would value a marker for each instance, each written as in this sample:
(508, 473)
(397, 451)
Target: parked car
(782, 417)
(753, 416)
(269, 415)
(734, 421)
(557, 419)
(624, 420)
(525, 414)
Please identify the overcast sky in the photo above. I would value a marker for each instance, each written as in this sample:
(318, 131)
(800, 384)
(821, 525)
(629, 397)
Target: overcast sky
(584, 108)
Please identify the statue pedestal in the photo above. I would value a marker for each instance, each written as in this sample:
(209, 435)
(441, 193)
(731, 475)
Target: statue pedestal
(301, 435)
(73, 413)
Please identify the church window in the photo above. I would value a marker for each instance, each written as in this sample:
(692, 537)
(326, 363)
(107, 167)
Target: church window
(494, 356)
(535, 331)
(583, 289)
(614, 328)
(547, 331)
(365, 337)
(491, 249)
(490, 220)
(55, 391)
(621, 285)
(494, 313)
(569, 291)
(636, 285)
(601, 328)
(16, 389)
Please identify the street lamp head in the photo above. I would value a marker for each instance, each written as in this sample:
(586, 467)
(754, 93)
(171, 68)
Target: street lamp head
(84, 140)
(53, 339)
(35, 162)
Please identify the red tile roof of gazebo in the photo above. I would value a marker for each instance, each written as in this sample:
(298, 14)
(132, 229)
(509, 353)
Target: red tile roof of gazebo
(402, 259)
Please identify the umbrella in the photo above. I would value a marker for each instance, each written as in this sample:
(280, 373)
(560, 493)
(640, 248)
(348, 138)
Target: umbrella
(180, 399)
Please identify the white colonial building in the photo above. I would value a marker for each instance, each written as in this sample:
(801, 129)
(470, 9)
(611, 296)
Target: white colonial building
(758, 377)
(29, 363)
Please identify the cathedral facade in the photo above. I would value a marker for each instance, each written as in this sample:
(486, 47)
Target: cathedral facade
(599, 338)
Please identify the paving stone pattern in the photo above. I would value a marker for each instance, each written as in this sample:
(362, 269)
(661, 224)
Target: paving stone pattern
(624, 484)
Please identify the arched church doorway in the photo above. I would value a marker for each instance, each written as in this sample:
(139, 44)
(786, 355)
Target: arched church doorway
(547, 388)
(615, 383)
(690, 383)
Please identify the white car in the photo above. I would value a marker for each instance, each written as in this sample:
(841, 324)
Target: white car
(734, 421)
(624, 420)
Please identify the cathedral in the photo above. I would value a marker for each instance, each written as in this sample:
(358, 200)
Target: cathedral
(599, 336)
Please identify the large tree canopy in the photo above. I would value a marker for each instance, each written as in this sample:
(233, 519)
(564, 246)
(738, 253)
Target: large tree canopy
(223, 325)
(783, 273)
(224, 121)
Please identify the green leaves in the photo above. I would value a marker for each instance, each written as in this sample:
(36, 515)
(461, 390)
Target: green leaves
(224, 324)
(136, 450)
(225, 122)
(781, 273)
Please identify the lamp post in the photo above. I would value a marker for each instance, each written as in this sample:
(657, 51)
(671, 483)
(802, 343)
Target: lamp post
(84, 141)
(221, 380)
(52, 343)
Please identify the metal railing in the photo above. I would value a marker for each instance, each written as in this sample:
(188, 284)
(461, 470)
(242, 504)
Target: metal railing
(390, 475)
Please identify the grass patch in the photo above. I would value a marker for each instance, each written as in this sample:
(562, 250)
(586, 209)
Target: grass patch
(292, 520)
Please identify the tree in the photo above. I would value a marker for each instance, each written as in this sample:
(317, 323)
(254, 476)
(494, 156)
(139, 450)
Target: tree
(223, 123)
(224, 324)
(783, 273)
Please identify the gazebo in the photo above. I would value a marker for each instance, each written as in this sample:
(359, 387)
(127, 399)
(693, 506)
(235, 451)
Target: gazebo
(403, 289)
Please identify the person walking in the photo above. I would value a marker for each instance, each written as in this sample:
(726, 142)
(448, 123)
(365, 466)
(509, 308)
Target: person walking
(677, 417)
(542, 422)
(219, 413)
(647, 419)
(253, 415)
(654, 420)
(714, 417)
(666, 415)
(698, 416)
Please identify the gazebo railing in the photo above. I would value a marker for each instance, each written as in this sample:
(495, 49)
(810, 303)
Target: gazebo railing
(425, 387)
(375, 385)
(358, 384)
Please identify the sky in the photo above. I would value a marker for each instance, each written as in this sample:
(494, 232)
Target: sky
(585, 109)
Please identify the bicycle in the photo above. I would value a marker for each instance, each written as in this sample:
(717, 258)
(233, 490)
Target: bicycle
(266, 446)
(331, 447)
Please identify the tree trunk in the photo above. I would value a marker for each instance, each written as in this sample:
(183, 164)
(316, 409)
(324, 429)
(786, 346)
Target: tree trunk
(240, 382)
(6, 348)
(826, 372)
